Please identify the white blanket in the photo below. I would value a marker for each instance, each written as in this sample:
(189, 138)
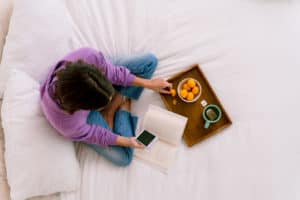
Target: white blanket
(249, 52)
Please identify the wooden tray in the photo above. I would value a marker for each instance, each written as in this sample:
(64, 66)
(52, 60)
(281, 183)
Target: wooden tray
(195, 131)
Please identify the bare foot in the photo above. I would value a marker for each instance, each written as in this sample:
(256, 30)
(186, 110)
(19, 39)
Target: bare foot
(109, 117)
(109, 111)
(126, 105)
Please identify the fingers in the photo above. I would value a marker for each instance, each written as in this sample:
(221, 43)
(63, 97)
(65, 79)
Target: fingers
(167, 88)
(161, 85)
(139, 146)
(164, 91)
(169, 85)
(136, 144)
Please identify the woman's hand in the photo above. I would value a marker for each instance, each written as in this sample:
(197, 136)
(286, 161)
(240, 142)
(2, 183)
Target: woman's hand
(135, 143)
(157, 84)
(129, 142)
(160, 85)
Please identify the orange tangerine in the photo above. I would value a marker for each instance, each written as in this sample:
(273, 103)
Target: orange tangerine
(173, 92)
(191, 83)
(186, 86)
(195, 90)
(190, 96)
(183, 93)
(174, 102)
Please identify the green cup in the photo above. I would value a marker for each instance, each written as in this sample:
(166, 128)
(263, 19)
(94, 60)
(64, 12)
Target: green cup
(211, 114)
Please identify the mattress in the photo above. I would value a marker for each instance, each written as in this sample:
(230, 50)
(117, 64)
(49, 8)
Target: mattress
(249, 53)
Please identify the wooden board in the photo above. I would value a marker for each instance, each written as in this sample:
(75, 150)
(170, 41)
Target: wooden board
(195, 131)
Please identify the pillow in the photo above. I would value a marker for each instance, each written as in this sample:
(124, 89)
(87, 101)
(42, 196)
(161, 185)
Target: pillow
(38, 160)
(39, 35)
(5, 13)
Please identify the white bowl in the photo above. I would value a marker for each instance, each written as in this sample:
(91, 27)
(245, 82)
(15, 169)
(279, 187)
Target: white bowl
(180, 86)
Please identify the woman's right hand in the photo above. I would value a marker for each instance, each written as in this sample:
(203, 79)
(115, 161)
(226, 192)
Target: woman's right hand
(160, 85)
(156, 84)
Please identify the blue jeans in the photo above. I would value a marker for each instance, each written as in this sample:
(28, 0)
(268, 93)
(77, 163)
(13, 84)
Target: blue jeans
(124, 123)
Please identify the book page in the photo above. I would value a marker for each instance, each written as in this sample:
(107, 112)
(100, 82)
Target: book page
(168, 126)
(161, 155)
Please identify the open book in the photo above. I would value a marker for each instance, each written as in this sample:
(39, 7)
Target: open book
(168, 127)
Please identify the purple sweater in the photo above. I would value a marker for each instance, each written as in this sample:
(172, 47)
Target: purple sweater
(75, 126)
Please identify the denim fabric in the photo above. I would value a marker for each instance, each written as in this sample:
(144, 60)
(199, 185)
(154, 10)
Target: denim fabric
(142, 66)
(124, 123)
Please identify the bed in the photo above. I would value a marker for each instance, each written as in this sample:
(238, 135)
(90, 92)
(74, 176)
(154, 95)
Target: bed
(248, 50)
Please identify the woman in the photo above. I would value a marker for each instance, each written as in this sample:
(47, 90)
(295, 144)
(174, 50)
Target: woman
(87, 98)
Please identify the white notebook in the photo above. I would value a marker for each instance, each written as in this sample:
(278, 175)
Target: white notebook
(169, 128)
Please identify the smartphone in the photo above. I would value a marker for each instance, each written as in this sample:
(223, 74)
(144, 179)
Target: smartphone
(146, 138)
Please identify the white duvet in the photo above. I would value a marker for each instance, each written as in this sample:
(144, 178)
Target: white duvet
(249, 51)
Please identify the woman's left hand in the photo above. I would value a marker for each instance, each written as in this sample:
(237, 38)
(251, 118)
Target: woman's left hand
(160, 85)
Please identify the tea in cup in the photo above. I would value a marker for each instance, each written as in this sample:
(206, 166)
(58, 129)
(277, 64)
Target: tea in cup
(211, 114)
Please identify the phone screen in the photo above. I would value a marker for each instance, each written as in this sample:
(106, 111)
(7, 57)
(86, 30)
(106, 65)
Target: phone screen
(146, 138)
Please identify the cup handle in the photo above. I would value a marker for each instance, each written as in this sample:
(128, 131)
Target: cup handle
(206, 125)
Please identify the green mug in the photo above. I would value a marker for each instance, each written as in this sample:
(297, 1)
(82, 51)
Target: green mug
(211, 114)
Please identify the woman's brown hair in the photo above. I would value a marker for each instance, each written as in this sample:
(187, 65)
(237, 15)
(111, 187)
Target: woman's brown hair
(81, 86)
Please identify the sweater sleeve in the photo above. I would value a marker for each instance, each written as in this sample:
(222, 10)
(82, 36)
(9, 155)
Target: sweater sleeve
(118, 75)
(75, 126)
(94, 134)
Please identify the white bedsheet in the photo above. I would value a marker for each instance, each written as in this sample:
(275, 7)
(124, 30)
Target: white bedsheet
(249, 52)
